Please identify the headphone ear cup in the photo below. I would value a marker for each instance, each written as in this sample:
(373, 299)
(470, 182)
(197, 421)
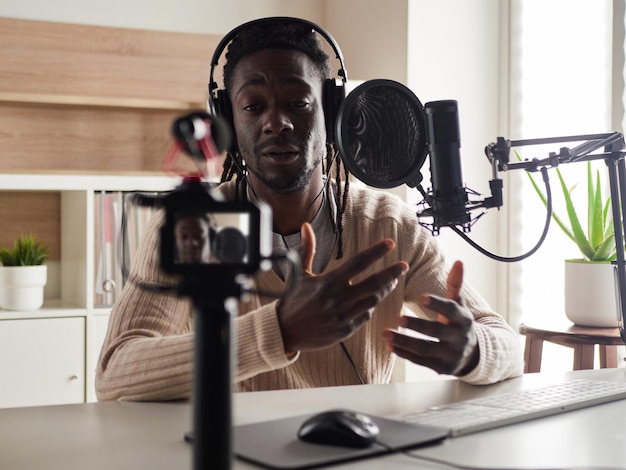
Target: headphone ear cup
(332, 97)
(221, 107)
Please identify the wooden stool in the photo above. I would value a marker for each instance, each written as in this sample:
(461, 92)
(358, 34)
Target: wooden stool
(583, 339)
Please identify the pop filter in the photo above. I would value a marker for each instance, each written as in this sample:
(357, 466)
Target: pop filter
(381, 134)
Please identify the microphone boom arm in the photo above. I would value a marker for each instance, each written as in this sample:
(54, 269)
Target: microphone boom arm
(613, 155)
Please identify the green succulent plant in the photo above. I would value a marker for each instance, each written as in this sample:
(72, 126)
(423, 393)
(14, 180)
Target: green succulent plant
(27, 251)
(597, 243)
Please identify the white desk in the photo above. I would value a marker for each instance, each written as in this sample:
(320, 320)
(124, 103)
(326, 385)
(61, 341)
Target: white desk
(114, 435)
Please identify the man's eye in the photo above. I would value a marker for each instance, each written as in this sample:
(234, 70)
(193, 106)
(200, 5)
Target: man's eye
(251, 107)
(300, 104)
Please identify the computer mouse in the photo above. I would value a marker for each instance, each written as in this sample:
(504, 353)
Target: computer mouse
(339, 428)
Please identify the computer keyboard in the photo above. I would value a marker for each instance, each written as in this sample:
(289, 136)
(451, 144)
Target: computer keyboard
(479, 414)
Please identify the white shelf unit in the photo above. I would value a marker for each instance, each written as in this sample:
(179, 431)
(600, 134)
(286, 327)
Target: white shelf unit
(64, 337)
(101, 124)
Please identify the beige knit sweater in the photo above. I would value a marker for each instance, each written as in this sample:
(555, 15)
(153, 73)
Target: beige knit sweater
(148, 349)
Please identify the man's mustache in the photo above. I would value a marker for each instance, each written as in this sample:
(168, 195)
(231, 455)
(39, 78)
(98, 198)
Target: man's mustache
(259, 149)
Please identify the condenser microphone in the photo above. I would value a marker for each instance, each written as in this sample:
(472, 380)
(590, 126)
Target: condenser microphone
(384, 135)
(449, 196)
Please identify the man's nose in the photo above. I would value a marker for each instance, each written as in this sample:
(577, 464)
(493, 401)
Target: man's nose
(276, 121)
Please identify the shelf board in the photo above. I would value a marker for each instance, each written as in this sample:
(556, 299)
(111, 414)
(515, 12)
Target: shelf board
(53, 308)
(44, 99)
(78, 181)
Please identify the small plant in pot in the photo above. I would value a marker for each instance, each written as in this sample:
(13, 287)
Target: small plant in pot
(590, 297)
(23, 274)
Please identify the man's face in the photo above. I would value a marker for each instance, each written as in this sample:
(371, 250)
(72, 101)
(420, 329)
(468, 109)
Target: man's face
(276, 96)
(192, 240)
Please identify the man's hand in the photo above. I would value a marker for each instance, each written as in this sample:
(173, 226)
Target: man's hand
(456, 351)
(328, 308)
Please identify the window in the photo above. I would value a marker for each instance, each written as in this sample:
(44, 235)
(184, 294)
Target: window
(559, 71)
(561, 85)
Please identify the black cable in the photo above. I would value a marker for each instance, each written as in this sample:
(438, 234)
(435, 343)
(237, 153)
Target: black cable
(354, 367)
(294, 279)
(135, 198)
(156, 288)
(542, 238)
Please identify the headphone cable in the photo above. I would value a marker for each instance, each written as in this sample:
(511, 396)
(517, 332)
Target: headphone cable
(354, 367)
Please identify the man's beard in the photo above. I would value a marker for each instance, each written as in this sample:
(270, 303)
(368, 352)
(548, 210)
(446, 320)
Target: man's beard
(297, 182)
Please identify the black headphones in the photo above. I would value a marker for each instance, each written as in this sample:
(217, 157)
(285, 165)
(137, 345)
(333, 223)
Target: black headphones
(332, 93)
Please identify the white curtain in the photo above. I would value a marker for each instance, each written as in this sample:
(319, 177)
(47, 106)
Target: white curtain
(560, 85)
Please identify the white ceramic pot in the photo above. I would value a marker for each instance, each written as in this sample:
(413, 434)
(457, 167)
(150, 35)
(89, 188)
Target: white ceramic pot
(22, 287)
(590, 296)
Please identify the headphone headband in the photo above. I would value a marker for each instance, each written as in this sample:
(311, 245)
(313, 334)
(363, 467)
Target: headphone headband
(223, 44)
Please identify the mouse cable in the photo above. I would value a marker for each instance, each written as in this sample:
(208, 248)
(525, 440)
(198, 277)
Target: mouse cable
(486, 467)
(354, 367)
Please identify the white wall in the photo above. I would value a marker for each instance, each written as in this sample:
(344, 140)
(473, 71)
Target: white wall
(454, 54)
(194, 16)
(372, 35)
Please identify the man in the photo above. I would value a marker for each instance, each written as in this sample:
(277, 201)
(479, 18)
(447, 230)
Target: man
(365, 257)
(193, 239)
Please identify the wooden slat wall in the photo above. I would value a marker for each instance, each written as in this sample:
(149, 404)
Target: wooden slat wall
(92, 99)
(68, 59)
(25, 213)
(75, 97)
(56, 139)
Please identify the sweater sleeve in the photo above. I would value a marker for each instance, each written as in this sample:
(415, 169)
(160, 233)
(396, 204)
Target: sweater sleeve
(148, 349)
(259, 343)
(501, 355)
(500, 352)
(147, 352)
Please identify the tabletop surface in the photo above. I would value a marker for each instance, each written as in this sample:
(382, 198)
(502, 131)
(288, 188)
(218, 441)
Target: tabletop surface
(119, 435)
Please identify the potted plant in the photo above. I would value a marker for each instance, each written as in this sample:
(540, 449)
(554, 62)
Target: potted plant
(23, 274)
(590, 296)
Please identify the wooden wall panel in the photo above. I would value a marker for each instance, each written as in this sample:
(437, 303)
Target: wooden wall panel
(95, 99)
(68, 59)
(31, 212)
(35, 139)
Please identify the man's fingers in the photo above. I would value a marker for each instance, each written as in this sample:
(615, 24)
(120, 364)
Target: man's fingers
(454, 284)
(364, 259)
(381, 283)
(307, 237)
(455, 281)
